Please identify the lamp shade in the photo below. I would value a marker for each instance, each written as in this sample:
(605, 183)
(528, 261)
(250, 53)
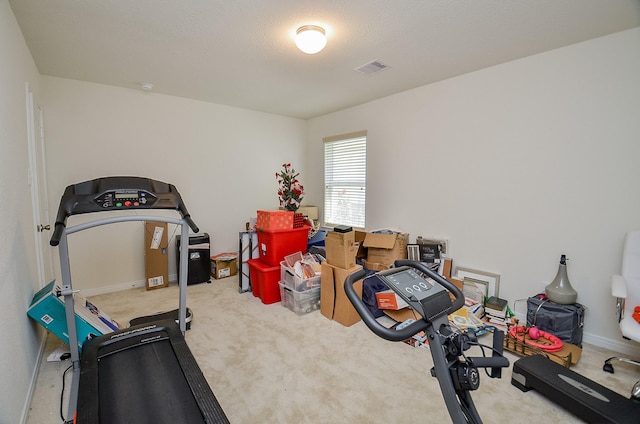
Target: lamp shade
(311, 39)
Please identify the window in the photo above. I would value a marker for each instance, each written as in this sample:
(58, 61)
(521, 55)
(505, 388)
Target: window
(345, 179)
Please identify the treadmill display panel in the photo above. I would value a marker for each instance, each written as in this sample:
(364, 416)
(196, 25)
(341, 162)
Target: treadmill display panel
(116, 199)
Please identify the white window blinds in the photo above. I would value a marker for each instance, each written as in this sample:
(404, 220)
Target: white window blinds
(345, 179)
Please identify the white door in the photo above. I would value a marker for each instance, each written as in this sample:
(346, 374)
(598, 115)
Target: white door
(38, 183)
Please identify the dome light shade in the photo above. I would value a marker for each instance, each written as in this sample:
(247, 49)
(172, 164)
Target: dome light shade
(311, 39)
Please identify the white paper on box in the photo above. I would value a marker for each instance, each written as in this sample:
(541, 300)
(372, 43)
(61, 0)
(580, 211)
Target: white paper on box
(157, 237)
(156, 281)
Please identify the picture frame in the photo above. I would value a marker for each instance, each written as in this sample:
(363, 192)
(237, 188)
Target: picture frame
(492, 280)
(413, 252)
(476, 290)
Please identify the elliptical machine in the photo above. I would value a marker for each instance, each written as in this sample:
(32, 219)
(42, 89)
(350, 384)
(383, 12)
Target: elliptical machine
(457, 377)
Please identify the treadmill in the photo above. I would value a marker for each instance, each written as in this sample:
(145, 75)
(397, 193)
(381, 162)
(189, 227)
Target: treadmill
(145, 373)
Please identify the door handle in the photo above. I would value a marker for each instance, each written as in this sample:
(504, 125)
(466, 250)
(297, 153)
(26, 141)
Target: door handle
(42, 228)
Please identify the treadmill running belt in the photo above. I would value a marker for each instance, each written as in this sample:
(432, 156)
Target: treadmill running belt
(144, 374)
(145, 385)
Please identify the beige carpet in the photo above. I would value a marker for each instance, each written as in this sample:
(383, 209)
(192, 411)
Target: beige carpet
(267, 364)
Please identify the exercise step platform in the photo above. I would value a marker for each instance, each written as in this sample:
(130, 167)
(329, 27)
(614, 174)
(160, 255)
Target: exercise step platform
(584, 398)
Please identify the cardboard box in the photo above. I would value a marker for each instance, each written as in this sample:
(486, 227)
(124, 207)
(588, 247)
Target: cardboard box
(569, 354)
(386, 248)
(334, 303)
(340, 249)
(456, 282)
(361, 253)
(274, 220)
(156, 256)
(374, 266)
(309, 211)
(224, 265)
(388, 299)
(48, 310)
(401, 315)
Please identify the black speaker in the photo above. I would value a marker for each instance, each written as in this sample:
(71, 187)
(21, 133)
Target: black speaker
(199, 264)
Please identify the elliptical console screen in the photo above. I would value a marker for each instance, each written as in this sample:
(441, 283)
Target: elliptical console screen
(410, 282)
(428, 299)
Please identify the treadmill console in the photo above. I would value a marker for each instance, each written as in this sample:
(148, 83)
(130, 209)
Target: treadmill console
(427, 298)
(117, 193)
(118, 199)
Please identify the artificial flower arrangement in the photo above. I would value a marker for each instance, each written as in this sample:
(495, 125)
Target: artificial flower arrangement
(290, 191)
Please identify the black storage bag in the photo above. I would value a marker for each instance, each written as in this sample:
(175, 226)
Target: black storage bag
(563, 321)
(370, 287)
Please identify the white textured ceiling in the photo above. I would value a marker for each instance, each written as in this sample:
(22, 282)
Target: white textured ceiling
(241, 52)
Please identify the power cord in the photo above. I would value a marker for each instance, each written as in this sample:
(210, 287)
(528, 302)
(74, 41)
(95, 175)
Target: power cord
(64, 421)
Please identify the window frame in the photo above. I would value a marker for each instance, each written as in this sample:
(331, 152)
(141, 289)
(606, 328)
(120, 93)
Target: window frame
(358, 182)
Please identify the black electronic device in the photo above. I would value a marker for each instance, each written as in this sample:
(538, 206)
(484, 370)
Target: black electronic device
(428, 293)
(427, 298)
(342, 229)
(117, 193)
(199, 262)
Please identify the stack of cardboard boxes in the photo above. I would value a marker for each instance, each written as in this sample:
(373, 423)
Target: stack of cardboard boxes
(377, 251)
(340, 247)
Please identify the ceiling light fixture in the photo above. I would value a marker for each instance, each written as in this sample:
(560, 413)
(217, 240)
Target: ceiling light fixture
(311, 39)
(145, 86)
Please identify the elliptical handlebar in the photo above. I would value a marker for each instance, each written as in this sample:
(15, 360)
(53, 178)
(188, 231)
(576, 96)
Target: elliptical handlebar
(413, 328)
(371, 322)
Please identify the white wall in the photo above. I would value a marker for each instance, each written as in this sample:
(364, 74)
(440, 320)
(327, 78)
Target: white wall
(222, 159)
(21, 338)
(515, 165)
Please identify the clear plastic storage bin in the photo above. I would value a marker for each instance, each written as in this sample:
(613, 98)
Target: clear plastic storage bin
(292, 281)
(300, 302)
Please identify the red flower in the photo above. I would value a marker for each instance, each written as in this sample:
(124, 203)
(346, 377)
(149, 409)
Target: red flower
(290, 192)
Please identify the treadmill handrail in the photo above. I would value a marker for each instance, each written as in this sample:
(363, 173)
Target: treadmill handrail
(59, 228)
(123, 218)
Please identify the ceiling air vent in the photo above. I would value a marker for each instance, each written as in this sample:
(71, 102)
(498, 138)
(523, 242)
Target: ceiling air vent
(371, 67)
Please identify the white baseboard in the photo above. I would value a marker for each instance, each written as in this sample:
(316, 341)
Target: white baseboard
(112, 288)
(119, 287)
(34, 378)
(620, 346)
